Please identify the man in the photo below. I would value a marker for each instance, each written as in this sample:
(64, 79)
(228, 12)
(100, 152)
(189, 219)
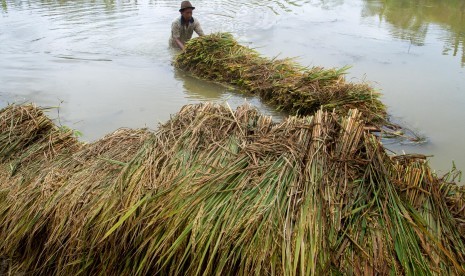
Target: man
(183, 27)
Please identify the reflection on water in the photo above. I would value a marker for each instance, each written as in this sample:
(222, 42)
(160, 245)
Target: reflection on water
(412, 20)
(199, 89)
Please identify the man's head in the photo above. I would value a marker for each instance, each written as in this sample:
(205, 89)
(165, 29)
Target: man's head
(186, 10)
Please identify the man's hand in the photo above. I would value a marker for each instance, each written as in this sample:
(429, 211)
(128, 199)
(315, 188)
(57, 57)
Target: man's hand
(179, 43)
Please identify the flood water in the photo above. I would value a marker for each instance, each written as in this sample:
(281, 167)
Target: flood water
(106, 64)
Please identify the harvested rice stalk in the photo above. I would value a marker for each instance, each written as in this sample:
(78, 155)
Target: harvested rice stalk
(28, 136)
(223, 192)
(283, 83)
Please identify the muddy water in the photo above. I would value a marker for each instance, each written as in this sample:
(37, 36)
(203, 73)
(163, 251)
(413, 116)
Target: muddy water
(106, 64)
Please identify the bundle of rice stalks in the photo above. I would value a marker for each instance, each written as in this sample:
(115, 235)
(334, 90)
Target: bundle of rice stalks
(223, 192)
(283, 83)
(28, 136)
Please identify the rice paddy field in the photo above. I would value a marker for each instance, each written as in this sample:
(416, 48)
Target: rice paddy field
(106, 63)
(336, 182)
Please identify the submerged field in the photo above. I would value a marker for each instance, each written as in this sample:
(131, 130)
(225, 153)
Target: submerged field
(224, 192)
(218, 191)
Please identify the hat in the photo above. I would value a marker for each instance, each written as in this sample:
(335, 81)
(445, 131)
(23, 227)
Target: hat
(186, 5)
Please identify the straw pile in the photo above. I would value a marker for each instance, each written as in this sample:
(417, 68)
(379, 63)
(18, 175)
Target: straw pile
(282, 83)
(222, 192)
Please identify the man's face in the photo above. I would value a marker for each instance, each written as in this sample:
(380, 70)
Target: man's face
(187, 14)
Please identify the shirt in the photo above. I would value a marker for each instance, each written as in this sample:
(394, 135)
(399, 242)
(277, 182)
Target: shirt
(180, 30)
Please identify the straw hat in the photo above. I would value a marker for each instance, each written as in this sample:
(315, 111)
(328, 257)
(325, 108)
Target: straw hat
(186, 5)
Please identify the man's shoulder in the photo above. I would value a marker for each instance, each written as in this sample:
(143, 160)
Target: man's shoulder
(195, 21)
(177, 21)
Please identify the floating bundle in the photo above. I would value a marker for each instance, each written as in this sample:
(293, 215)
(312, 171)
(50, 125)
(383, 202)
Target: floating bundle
(222, 192)
(283, 83)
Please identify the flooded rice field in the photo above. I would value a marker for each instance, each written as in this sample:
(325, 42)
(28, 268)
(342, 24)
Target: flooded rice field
(106, 64)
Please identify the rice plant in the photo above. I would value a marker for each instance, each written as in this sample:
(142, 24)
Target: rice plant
(216, 191)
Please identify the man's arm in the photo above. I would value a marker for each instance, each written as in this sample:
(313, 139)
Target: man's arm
(198, 30)
(176, 34)
(179, 43)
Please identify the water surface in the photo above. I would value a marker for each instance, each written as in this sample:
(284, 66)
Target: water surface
(106, 64)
